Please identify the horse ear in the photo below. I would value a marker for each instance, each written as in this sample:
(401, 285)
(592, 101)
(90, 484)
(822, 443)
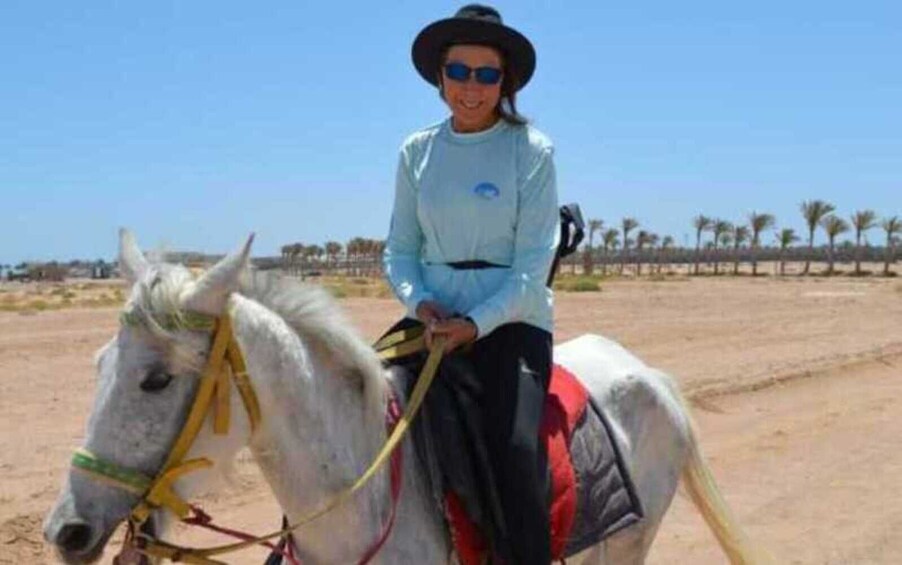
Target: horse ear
(209, 294)
(132, 263)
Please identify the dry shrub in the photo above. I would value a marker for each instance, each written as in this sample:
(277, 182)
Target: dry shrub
(337, 291)
(357, 288)
(102, 301)
(583, 283)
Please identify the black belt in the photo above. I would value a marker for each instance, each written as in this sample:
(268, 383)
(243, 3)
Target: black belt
(475, 265)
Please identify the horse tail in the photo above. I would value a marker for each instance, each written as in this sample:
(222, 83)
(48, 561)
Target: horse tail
(714, 509)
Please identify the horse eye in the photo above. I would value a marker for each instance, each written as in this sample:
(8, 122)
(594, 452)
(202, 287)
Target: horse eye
(156, 380)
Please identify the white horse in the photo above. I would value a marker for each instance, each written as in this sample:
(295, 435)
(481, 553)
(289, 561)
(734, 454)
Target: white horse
(323, 396)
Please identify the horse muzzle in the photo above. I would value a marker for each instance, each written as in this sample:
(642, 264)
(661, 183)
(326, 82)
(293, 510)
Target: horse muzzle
(75, 540)
(78, 541)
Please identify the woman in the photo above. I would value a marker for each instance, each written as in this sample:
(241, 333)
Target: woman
(474, 232)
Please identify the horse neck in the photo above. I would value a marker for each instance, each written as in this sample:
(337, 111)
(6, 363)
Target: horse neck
(316, 437)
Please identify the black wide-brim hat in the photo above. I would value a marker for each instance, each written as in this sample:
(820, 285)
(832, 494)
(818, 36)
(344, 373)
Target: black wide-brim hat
(479, 25)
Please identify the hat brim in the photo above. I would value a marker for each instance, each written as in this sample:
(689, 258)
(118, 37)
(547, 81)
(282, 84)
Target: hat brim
(519, 54)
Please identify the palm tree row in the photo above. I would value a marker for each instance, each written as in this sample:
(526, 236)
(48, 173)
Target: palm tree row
(618, 245)
(732, 238)
(359, 254)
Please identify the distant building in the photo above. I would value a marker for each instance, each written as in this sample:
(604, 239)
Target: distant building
(18, 273)
(101, 270)
(52, 271)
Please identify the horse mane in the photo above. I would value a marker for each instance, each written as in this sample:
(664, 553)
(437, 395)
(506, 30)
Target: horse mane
(317, 318)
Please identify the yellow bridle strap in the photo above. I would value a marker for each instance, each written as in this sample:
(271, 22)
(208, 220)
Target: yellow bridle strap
(154, 548)
(162, 495)
(214, 383)
(207, 387)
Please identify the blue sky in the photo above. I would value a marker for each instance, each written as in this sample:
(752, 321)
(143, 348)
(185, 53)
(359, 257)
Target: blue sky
(194, 123)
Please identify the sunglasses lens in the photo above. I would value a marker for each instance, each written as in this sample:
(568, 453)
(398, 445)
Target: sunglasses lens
(457, 71)
(488, 75)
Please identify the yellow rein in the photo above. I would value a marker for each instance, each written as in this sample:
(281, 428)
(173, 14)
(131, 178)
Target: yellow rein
(214, 391)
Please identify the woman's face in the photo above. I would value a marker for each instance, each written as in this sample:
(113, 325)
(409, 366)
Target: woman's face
(472, 104)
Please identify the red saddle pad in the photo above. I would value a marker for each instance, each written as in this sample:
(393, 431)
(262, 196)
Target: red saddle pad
(564, 407)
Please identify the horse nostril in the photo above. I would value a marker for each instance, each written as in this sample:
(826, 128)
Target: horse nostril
(74, 538)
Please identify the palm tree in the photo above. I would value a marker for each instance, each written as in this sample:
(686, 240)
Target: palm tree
(354, 249)
(641, 242)
(726, 239)
(588, 261)
(286, 256)
(666, 245)
(720, 228)
(333, 250)
(862, 220)
(813, 211)
(759, 223)
(740, 236)
(891, 226)
(377, 247)
(786, 237)
(315, 252)
(293, 251)
(610, 242)
(702, 223)
(627, 225)
(833, 225)
(653, 240)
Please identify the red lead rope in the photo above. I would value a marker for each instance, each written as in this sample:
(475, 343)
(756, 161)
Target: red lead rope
(202, 519)
(392, 416)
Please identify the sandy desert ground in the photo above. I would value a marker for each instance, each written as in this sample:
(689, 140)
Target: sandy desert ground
(796, 385)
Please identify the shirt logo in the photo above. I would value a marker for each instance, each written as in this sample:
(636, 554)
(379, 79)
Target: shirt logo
(487, 190)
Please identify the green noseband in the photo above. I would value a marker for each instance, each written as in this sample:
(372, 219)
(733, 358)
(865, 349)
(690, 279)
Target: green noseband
(110, 473)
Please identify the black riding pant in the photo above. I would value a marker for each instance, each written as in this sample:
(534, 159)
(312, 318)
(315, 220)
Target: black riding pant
(513, 365)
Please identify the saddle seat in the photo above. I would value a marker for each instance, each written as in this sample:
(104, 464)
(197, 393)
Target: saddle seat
(591, 495)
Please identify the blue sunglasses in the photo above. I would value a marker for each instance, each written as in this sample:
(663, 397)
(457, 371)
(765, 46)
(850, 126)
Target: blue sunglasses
(461, 73)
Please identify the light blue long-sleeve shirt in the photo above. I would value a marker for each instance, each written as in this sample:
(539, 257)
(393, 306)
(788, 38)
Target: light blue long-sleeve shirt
(489, 196)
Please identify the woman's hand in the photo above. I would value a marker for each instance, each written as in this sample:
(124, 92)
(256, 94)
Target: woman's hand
(429, 311)
(457, 331)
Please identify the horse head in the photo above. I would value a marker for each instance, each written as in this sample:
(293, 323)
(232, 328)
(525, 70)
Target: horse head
(147, 380)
